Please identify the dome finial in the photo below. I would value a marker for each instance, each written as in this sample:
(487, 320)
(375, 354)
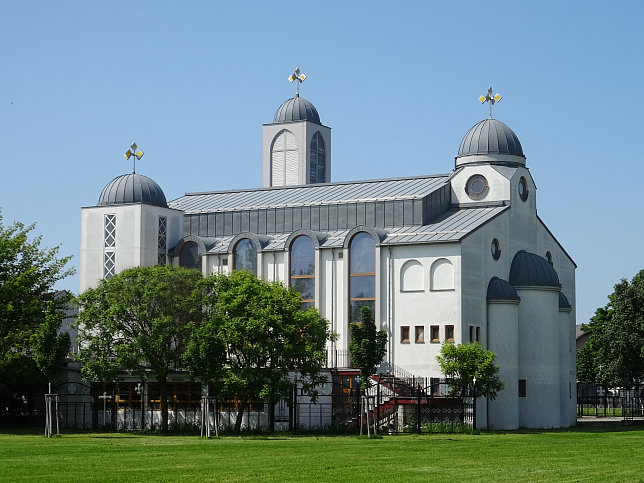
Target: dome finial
(136, 152)
(490, 98)
(299, 77)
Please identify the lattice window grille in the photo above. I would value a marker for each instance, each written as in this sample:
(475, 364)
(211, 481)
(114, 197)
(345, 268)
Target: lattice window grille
(163, 241)
(109, 244)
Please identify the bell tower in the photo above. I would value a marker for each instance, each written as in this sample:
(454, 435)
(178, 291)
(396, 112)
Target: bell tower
(296, 147)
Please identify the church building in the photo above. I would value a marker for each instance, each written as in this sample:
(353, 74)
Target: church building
(461, 256)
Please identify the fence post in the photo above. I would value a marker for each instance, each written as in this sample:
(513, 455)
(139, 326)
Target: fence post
(418, 408)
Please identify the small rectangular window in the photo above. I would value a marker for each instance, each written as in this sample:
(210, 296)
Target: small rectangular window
(404, 334)
(475, 333)
(522, 388)
(471, 333)
(478, 333)
(434, 333)
(449, 333)
(420, 334)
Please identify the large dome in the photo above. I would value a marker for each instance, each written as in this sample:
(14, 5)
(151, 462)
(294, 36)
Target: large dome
(132, 188)
(490, 140)
(531, 270)
(297, 109)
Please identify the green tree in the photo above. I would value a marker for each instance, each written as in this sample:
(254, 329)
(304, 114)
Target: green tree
(617, 335)
(267, 339)
(368, 346)
(49, 347)
(28, 274)
(462, 363)
(587, 370)
(137, 322)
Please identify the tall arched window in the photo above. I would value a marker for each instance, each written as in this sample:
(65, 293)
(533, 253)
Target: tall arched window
(245, 256)
(362, 275)
(284, 159)
(189, 256)
(302, 273)
(318, 160)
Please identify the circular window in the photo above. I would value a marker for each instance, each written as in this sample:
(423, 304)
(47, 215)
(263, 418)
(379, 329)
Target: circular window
(477, 187)
(496, 249)
(523, 189)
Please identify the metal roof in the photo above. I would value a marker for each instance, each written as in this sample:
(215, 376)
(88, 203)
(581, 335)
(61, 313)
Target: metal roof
(132, 188)
(500, 290)
(490, 136)
(314, 194)
(297, 109)
(452, 226)
(531, 270)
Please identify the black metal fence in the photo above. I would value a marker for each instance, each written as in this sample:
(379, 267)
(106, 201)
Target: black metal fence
(392, 404)
(599, 402)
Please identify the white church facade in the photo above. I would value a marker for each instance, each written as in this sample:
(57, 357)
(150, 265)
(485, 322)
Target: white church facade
(461, 256)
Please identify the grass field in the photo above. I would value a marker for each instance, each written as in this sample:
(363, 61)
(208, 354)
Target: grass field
(584, 454)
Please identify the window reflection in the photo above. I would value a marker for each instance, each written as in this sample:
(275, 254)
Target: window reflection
(245, 256)
(318, 159)
(362, 275)
(302, 273)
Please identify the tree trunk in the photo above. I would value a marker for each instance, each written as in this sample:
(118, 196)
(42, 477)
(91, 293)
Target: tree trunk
(163, 389)
(240, 415)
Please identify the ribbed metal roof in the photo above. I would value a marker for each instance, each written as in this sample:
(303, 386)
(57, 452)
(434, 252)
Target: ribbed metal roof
(498, 289)
(297, 109)
(329, 193)
(563, 302)
(531, 270)
(449, 227)
(490, 136)
(132, 188)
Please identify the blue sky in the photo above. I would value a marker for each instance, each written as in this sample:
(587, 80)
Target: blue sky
(192, 83)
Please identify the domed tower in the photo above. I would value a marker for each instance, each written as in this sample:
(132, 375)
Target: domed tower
(296, 147)
(130, 226)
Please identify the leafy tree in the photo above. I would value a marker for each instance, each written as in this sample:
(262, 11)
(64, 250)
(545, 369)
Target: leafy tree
(368, 346)
(137, 321)
(463, 362)
(49, 347)
(267, 339)
(28, 274)
(617, 336)
(587, 370)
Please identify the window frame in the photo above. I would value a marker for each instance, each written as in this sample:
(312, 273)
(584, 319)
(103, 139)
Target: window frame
(419, 334)
(404, 334)
(437, 329)
(306, 303)
(449, 328)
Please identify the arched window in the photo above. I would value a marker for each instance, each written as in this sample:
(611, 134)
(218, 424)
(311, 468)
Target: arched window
(302, 273)
(245, 256)
(284, 159)
(318, 160)
(362, 275)
(189, 256)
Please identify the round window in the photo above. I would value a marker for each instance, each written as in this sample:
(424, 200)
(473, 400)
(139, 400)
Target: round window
(523, 189)
(477, 187)
(496, 249)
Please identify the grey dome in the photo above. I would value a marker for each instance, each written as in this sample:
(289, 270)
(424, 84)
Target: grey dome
(563, 302)
(499, 289)
(530, 270)
(132, 188)
(490, 137)
(297, 109)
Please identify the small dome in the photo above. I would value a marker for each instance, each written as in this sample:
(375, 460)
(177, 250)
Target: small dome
(499, 289)
(490, 138)
(563, 302)
(297, 109)
(132, 188)
(530, 270)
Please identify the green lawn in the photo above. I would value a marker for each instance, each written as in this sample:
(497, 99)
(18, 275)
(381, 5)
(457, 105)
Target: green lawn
(585, 454)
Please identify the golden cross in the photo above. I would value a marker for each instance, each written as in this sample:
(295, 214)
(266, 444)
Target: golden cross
(490, 98)
(299, 77)
(135, 153)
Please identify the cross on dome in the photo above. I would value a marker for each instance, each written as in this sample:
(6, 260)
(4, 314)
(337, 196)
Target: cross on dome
(490, 98)
(135, 153)
(299, 77)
